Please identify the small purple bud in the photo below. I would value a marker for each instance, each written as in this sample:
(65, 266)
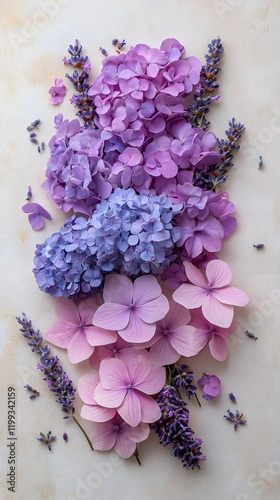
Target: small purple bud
(115, 41)
(32, 139)
(251, 335)
(30, 127)
(103, 51)
(42, 146)
(258, 246)
(261, 162)
(39, 149)
(121, 44)
(33, 134)
(36, 123)
(65, 437)
(232, 397)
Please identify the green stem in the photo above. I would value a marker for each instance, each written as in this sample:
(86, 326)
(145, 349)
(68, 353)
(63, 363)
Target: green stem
(84, 432)
(196, 397)
(136, 454)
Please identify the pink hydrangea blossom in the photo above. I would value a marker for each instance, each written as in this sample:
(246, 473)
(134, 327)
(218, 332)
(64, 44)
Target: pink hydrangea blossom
(74, 330)
(212, 294)
(91, 410)
(207, 333)
(57, 92)
(211, 386)
(116, 434)
(128, 387)
(120, 349)
(131, 308)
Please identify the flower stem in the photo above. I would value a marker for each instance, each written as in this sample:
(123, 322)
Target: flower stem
(196, 397)
(84, 432)
(136, 454)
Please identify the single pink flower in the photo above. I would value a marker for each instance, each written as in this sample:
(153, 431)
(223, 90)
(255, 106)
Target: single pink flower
(211, 386)
(119, 436)
(91, 410)
(57, 92)
(207, 333)
(171, 340)
(128, 387)
(131, 308)
(214, 296)
(74, 331)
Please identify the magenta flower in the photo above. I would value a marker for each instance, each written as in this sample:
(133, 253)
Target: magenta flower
(171, 340)
(211, 386)
(119, 436)
(214, 296)
(57, 92)
(74, 331)
(36, 216)
(91, 410)
(131, 308)
(128, 387)
(207, 333)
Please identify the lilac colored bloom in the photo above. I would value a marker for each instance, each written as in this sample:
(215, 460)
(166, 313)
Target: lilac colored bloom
(116, 434)
(128, 387)
(131, 308)
(170, 341)
(211, 386)
(57, 92)
(207, 333)
(91, 410)
(214, 295)
(36, 216)
(74, 330)
(120, 349)
(199, 235)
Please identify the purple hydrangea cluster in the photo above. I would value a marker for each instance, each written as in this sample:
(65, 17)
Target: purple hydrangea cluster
(130, 233)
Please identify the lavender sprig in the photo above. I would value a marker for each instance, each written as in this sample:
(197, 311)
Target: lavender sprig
(185, 378)
(79, 77)
(57, 379)
(203, 96)
(215, 174)
(173, 428)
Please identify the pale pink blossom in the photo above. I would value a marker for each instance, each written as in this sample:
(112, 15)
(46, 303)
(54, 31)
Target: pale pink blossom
(91, 410)
(213, 294)
(131, 308)
(74, 330)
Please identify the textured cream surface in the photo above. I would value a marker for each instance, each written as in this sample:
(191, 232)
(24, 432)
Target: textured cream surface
(243, 465)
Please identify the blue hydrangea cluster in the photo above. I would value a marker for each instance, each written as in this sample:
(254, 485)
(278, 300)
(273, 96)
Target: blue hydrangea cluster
(130, 233)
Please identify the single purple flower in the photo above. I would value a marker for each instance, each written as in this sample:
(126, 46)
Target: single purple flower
(211, 386)
(57, 92)
(36, 213)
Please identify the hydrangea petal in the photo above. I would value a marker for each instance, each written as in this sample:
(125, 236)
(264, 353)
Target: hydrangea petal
(154, 382)
(194, 275)
(97, 413)
(111, 316)
(154, 310)
(113, 374)
(60, 334)
(98, 336)
(149, 408)
(78, 348)
(190, 296)
(218, 348)
(218, 273)
(107, 398)
(163, 353)
(118, 288)
(231, 295)
(217, 313)
(137, 331)
(86, 386)
(130, 409)
(146, 288)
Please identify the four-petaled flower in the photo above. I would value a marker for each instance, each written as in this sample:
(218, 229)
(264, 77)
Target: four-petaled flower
(215, 296)
(57, 92)
(74, 331)
(131, 308)
(128, 387)
(211, 386)
(36, 215)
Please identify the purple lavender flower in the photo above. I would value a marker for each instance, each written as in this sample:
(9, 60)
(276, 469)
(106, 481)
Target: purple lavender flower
(185, 379)
(235, 419)
(47, 439)
(173, 428)
(34, 394)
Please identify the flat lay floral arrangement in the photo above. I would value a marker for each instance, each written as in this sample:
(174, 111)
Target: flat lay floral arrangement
(134, 270)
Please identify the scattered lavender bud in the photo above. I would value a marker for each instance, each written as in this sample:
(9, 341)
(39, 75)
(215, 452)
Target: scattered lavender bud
(29, 193)
(36, 123)
(42, 146)
(33, 134)
(39, 149)
(235, 419)
(258, 246)
(261, 162)
(103, 51)
(65, 437)
(115, 41)
(232, 397)
(34, 394)
(251, 335)
(30, 127)
(121, 44)
(47, 439)
(32, 139)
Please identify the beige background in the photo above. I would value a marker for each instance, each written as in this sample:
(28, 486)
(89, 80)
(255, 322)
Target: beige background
(240, 466)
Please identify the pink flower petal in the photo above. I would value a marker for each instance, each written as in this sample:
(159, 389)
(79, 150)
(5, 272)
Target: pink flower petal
(36, 221)
(162, 353)
(231, 295)
(67, 310)
(124, 446)
(190, 296)
(102, 436)
(136, 330)
(152, 311)
(138, 433)
(87, 308)
(107, 398)
(180, 340)
(61, 333)
(146, 289)
(217, 313)
(98, 336)
(130, 409)
(149, 408)
(176, 316)
(154, 382)
(78, 348)
(111, 316)
(218, 273)
(118, 288)
(218, 348)
(113, 374)
(198, 340)
(139, 369)
(97, 413)
(86, 386)
(194, 275)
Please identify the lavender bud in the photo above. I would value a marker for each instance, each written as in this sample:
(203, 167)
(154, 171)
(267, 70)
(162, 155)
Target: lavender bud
(251, 335)
(36, 123)
(65, 437)
(29, 193)
(33, 134)
(115, 41)
(32, 139)
(261, 162)
(103, 51)
(258, 246)
(232, 397)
